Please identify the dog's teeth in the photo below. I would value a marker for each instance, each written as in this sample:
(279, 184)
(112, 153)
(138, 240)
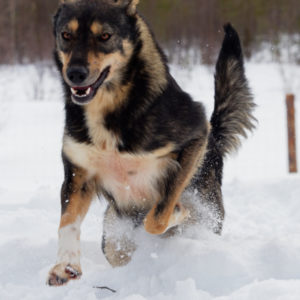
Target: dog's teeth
(79, 93)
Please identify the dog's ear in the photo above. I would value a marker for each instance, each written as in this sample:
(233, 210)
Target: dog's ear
(129, 4)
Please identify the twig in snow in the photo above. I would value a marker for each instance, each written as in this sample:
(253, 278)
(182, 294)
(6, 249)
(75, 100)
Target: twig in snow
(104, 288)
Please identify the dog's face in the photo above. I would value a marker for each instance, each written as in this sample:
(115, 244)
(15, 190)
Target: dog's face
(94, 43)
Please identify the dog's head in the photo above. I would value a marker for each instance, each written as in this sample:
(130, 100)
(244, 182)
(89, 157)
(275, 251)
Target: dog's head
(94, 43)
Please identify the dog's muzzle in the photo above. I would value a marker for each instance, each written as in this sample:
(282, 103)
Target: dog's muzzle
(83, 95)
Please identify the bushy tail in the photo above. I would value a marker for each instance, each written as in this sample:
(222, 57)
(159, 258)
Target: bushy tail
(234, 105)
(231, 119)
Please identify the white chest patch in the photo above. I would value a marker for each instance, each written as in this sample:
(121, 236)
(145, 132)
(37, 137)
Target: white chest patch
(131, 179)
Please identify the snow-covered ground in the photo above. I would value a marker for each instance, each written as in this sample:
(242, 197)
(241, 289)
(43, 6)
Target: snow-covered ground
(257, 257)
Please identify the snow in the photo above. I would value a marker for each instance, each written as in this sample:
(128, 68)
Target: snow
(256, 258)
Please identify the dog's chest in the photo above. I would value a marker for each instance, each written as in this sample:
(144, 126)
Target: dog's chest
(130, 179)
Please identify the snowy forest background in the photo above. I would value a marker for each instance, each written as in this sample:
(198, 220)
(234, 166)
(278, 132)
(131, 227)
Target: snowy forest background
(26, 31)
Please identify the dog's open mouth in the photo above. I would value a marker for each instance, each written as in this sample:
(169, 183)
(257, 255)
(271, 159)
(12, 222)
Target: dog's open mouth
(83, 95)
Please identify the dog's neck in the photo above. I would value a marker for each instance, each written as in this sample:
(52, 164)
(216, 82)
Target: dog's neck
(153, 59)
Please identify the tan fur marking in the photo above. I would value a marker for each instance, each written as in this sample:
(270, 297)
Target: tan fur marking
(73, 25)
(96, 28)
(161, 152)
(132, 7)
(151, 56)
(65, 59)
(68, 257)
(78, 207)
(116, 61)
(79, 201)
(94, 112)
(106, 101)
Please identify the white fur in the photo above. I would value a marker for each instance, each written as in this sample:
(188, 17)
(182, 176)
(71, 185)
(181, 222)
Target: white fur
(69, 244)
(131, 179)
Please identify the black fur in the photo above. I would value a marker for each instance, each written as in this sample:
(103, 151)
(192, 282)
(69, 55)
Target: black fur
(154, 112)
(149, 124)
(233, 112)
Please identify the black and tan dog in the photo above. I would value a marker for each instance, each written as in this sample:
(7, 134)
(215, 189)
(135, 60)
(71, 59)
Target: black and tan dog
(131, 134)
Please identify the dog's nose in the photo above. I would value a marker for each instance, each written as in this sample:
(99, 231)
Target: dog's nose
(77, 74)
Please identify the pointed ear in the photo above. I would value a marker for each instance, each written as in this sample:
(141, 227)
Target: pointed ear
(130, 4)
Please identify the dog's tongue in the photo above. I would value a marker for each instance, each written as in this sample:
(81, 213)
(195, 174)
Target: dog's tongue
(81, 88)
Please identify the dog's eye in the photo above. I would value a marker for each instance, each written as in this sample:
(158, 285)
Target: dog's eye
(66, 36)
(104, 37)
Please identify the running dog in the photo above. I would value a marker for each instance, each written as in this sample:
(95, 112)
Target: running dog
(131, 134)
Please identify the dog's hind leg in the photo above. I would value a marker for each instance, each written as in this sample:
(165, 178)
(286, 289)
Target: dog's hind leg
(76, 195)
(170, 212)
(117, 245)
(208, 184)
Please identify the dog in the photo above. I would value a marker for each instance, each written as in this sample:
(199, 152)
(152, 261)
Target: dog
(132, 134)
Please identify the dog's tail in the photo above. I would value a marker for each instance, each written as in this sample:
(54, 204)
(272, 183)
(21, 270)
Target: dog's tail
(234, 105)
(231, 119)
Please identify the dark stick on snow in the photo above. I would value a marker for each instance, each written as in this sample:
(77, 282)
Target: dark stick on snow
(104, 288)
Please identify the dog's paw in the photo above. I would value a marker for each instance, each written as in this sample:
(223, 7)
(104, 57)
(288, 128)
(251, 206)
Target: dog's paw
(180, 214)
(161, 223)
(155, 224)
(152, 226)
(61, 273)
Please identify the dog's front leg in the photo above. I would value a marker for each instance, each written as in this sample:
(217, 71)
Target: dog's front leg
(168, 212)
(76, 195)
